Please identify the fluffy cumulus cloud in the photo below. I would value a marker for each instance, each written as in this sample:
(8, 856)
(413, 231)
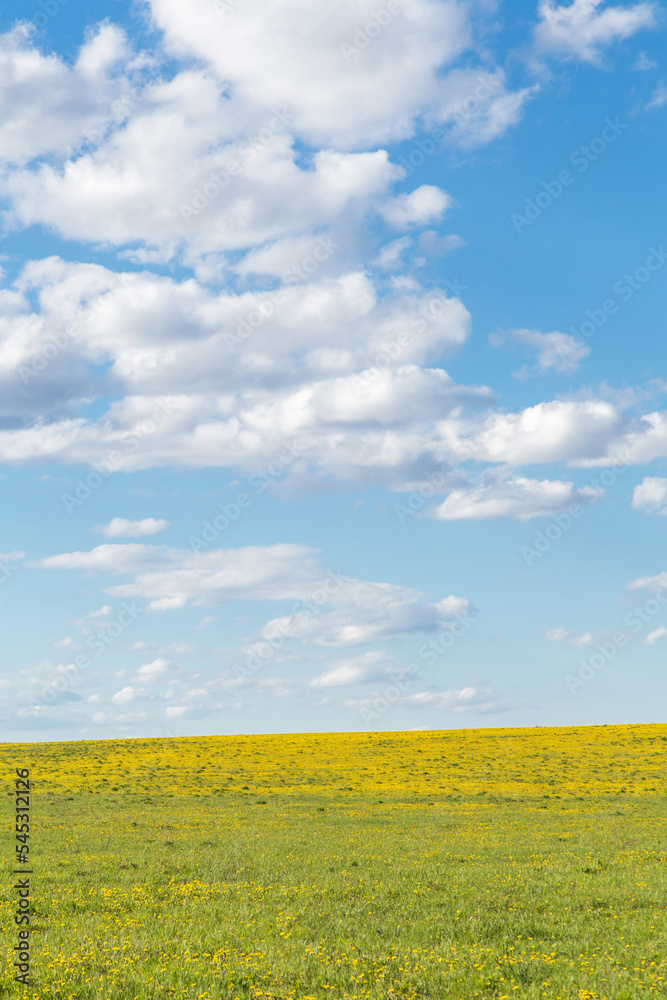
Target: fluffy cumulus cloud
(419, 207)
(195, 199)
(250, 150)
(328, 369)
(223, 379)
(204, 162)
(583, 28)
(651, 495)
(376, 69)
(154, 335)
(156, 670)
(48, 107)
(128, 694)
(586, 432)
(515, 497)
(209, 378)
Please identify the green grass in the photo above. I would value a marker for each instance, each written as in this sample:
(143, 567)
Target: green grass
(236, 896)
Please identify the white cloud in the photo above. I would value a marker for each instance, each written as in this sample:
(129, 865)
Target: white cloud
(390, 254)
(651, 495)
(292, 54)
(656, 582)
(171, 350)
(517, 498)
(106, 719)
(581, 29)
(573, 639)
(163, 649)
(170, 578)
(105, 558)
(338, 363)
(8, 557)
(556, 634)
(478, 108)
(369, 612)
(558, 351)
(188, 712)
(433, 245)
(363, 611)
(154, 671)
(658, 98)
(581, 432)
(581, 641)
(64, 643)
(205, 163)
(146, 186)
(206, 620)
(370, 666)
(102, 612)
(47, 107)
(466, 699)
(162, 341)
(121, 527)
(652, 637)
(643, 62)
(128, 694)
(419, 207)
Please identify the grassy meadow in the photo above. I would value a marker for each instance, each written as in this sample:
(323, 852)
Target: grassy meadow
(446, 864)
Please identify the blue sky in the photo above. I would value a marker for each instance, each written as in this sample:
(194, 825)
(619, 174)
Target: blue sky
(333, 366)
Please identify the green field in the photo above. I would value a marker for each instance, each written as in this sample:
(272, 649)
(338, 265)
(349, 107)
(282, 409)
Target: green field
(150, 884)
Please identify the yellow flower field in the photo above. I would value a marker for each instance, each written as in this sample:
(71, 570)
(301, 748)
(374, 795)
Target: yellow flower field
(468, 863)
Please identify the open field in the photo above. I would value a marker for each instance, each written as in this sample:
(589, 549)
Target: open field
(447, 864)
